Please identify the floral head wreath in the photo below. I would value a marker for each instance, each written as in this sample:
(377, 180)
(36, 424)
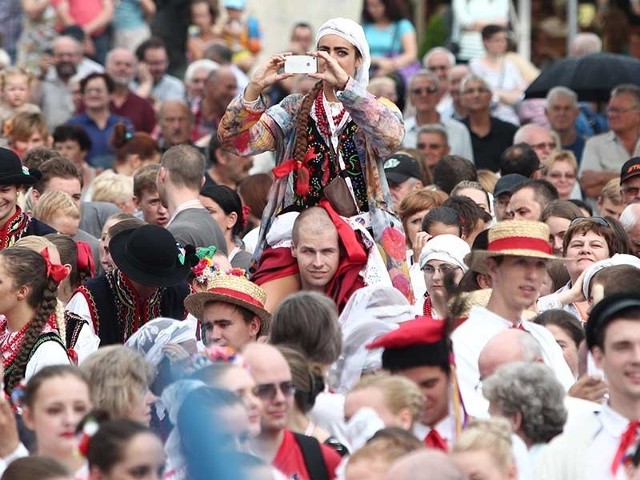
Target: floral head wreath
(215, 355)
(206, 269)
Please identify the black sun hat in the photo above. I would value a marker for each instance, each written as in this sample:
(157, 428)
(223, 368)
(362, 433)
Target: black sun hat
(150, 255)
(12, 172)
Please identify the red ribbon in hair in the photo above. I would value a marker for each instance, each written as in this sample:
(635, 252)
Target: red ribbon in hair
(285, 168)
(57, 272)
(246, 210)
(85, 258)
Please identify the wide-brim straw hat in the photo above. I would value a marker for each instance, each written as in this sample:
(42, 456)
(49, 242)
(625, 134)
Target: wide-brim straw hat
(518, 238)
(234, 289)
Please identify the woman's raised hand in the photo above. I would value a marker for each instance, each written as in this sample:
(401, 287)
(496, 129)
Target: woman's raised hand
(333, 73)
(266, 75)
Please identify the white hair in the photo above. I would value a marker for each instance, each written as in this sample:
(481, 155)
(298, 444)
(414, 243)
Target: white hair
(204, 64)
(427, 56)
(630, 216)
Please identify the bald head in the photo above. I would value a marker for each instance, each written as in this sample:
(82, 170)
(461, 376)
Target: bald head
(65, 43)
(263, 358)
(424, 465)
(509, 346)
(584, 44)
(312, 221)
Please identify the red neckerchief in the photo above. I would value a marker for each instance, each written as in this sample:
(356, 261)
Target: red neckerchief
(14, 229)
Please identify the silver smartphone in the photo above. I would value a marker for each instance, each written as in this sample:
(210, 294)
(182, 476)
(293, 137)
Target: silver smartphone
(300, 64)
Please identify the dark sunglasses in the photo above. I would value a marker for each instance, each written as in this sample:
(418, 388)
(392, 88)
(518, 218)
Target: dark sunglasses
(599, 220)
(268, 391)
(426, 90)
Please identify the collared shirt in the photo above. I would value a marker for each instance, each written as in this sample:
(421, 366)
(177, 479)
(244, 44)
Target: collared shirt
(195, 203)
(168, 88)
(471, 337)
(457, 135)
(488, 149)
(102, 152)
(606, 153)
(445, 427)
(604, 446)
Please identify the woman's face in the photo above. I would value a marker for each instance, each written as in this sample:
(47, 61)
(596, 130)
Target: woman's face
(239, 381)
(235, 428)
(8, 290)
(59, 405)
(558, 226)
(140, 407)
(201, 17)
(21, 147)
(496, 44)
(584, 250)
(105, 255)
(434, 274)
(218, 214)
(342, 51)
(480, 465)
(568, 346)
(376, 9)
(414, 225)
(563, 176)
(143, 459)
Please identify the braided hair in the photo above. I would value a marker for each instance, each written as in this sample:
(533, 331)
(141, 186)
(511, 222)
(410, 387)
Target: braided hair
(27, 268)
(302, 123)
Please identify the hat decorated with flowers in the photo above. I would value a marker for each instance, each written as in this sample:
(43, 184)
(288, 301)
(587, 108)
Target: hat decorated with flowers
(12, 172)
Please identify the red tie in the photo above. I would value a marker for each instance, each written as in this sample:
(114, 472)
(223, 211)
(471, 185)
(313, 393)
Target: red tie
(519, 327)
(435, 440)
(627, 440)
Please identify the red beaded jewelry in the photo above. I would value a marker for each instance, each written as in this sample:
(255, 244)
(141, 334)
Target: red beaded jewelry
(323, 123)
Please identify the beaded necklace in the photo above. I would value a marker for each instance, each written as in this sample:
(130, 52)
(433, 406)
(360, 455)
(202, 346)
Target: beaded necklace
(321, 113)
(10, 343)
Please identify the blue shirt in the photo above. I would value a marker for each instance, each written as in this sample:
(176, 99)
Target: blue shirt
(102, 152)
(387, 42)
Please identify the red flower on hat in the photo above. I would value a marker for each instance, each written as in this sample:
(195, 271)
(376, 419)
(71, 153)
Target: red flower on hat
(393, 242)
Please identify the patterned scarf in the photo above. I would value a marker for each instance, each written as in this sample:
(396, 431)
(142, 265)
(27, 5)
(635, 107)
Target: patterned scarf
(14, 229)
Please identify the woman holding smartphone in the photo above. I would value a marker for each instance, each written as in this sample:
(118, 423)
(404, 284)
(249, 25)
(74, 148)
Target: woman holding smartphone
(330, 143)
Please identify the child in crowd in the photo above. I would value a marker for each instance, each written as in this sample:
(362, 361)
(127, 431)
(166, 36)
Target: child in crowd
(25, 132)
(242, 34)
(14, 90)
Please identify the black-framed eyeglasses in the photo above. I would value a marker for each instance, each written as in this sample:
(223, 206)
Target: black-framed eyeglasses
(268, 391)
(431, 89)
(599, 220)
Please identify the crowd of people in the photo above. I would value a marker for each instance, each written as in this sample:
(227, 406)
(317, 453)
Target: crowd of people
(390, 268)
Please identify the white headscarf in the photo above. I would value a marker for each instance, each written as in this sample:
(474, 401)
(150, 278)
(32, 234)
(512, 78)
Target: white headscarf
(151, 338)
(353, 33)
(446, 248)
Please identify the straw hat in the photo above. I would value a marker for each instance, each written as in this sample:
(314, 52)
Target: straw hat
(234, 289)
(518, 238)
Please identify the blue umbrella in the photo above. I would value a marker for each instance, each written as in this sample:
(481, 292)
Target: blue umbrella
(592, 76)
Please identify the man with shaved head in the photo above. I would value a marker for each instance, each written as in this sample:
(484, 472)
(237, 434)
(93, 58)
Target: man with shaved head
(175, 121)
(121, 67)
(289, 452)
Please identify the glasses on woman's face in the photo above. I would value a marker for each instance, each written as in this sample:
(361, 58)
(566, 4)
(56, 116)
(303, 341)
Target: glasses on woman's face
(599, 220)
(268, 391)
(444, 270)
(559, 175)
(430, 90)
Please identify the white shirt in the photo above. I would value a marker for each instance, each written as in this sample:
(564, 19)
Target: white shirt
(48, 353)
(445, 427)
(470, 338)
(88, 342)
(458, 136)
(604, 446)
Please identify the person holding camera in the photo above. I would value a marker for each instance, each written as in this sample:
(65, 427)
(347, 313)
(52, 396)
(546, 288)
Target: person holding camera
(330, 143)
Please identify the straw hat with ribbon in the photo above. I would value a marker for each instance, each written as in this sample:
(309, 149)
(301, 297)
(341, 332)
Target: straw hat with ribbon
(519, 238)
(234, 289)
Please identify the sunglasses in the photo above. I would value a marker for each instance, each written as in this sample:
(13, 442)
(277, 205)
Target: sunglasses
(431, 146)
(424, 91)
(268, 391)
(599, 220)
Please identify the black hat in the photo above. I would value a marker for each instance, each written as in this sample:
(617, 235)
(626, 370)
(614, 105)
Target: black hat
(631, 168)
(508, 183)
(401, 167)
(416, 343)
(12, 172)
(606, 310)
(149, 255)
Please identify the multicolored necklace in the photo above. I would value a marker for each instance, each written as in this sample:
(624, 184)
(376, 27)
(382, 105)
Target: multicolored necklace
(322, 118)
